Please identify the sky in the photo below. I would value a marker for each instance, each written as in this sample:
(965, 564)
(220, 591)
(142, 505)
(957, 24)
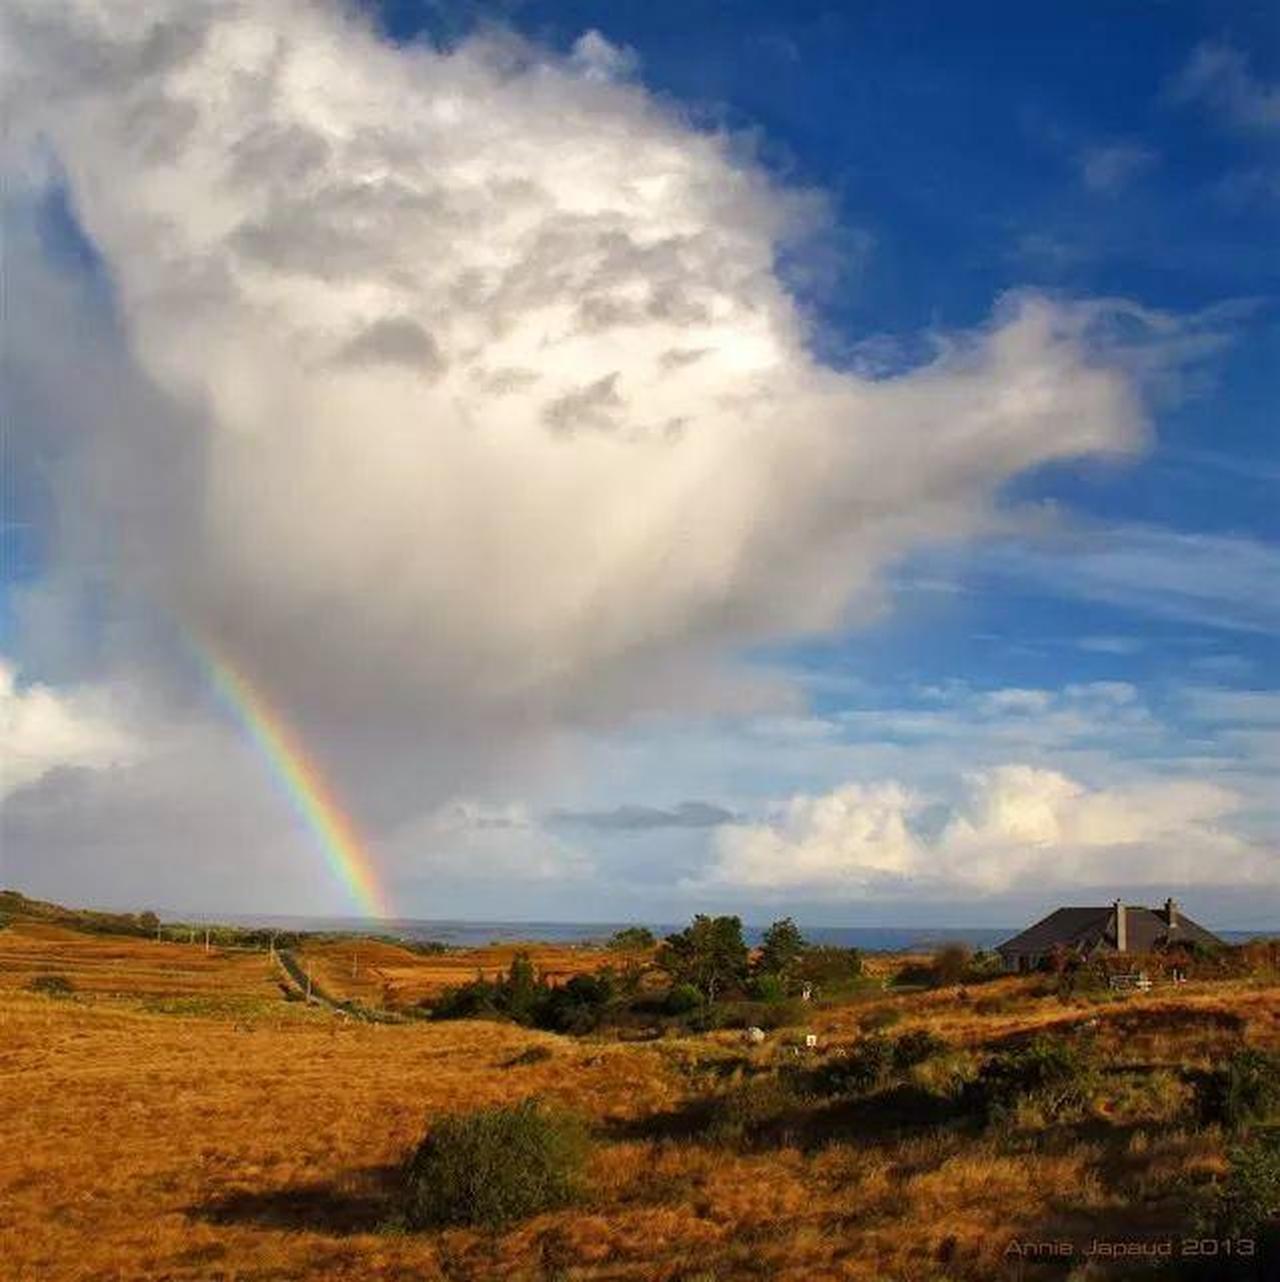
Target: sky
(644, 459)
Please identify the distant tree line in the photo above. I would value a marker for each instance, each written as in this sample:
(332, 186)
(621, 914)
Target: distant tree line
(702, 976)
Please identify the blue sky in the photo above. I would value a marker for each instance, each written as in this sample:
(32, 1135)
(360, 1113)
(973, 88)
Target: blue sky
(945, 710)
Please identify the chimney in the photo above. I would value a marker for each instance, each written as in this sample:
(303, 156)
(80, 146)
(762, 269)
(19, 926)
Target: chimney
(1122, 928)
(1171, 913)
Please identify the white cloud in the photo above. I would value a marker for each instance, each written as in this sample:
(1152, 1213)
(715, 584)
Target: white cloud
(467, 842)
(1016, 827)
(1220, 76)
(492, 398)
(459, 397)
(1110, 168)
(1209, 579)
(42, 729)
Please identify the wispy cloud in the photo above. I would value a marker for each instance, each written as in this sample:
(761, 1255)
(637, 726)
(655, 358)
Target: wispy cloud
(634, 818)
(1110, 168)
(1219, 76)
(1215, 580)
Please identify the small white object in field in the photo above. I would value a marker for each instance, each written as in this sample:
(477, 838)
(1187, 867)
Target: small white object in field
(811, 1040)
(755, 1035)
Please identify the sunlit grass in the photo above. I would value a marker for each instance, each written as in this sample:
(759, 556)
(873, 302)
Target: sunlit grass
(174, 1117)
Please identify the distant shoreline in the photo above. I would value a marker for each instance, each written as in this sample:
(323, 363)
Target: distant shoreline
(471, 934)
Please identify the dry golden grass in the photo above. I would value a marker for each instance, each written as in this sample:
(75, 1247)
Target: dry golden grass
(381, 974)
(118, 964)
(259, 1140)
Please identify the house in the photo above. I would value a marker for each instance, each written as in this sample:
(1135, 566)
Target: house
(1091, 932)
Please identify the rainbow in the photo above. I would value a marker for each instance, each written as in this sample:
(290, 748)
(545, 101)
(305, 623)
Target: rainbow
(304, 784)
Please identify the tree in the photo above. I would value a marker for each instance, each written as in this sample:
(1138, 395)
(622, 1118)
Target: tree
(522, 989)
(781, 949)
(710, 953)
(826, 964)
(631, 939)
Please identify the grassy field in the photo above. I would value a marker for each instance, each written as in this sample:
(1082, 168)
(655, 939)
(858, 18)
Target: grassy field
(175, 1117)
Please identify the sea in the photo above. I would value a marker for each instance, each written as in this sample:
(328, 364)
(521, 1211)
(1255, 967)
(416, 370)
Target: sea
(475, 934)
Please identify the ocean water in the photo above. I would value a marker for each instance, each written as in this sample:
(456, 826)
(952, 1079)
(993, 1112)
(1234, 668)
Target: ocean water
(473, 934)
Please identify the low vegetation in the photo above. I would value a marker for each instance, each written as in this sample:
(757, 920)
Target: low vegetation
(52, 985)
(494, 1166)
(625, 1113)
(1244, 1090)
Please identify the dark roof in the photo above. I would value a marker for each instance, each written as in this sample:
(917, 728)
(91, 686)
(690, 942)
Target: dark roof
(1070, 927)
(1086, 928)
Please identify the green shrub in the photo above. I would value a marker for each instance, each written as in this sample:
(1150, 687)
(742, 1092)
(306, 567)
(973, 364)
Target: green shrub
(494, 1166)
(1049, 1072)
(768, 988)
(1244, 1090)
(578, 1006)
(631, 939)
(682, 998)
(523, 996)
(1244, 1208)
(475, 1000)
(828, 966)
(767, 1015)
(52, 985)
(1249, 1198)
(865, 1068)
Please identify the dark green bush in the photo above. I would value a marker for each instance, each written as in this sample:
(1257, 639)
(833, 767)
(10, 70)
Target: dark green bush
(828, 967)
(1244, 1208)
(1048, 1071)
(766, 1015)
(631, 939)
(578, 1006)
(523, 996)
(1248, 1200)
(768, 988)
(864, 1068)
(52, 985)
(1244, 1090)
(495, 1166)
(682, 998)
(475, 1000)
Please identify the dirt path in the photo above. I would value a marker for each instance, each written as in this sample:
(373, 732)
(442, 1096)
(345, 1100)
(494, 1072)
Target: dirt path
(307, 988)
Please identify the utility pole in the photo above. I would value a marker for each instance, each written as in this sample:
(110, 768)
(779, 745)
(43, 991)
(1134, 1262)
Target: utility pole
(206, 940)
(308, 980)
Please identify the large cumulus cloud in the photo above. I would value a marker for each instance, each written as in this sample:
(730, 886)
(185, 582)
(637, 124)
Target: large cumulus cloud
(1017, 827)
(499, 390)
(465, 398)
